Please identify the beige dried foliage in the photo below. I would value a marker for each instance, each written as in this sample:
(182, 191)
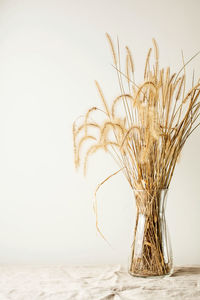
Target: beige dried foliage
(150, 128)
(119, 99)
(112, 49)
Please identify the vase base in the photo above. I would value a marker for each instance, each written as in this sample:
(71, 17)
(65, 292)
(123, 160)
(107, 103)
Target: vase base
(151, 275)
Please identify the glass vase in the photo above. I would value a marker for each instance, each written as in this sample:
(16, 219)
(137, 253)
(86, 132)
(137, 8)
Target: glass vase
(151, 249)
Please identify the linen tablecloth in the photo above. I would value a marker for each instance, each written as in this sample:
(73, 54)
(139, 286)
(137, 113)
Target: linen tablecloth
(111, 282)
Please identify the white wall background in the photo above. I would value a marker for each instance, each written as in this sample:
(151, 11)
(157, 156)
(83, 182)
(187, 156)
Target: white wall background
(50, 53)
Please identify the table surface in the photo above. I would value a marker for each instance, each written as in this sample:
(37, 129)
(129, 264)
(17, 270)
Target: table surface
(59, 282)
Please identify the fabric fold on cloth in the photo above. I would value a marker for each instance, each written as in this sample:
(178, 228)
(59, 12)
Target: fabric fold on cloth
(110, 282)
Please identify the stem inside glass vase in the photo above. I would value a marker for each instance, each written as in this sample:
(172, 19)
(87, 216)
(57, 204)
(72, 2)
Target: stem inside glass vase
(151, 250)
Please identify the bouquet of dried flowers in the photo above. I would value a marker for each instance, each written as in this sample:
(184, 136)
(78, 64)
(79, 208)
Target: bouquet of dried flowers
(144, 130)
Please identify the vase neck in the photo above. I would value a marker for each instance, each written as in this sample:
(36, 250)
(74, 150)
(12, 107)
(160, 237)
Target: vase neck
(151, 202)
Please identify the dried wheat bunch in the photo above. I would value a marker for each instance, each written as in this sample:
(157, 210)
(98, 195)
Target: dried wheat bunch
(155, 120)
(144, 130)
